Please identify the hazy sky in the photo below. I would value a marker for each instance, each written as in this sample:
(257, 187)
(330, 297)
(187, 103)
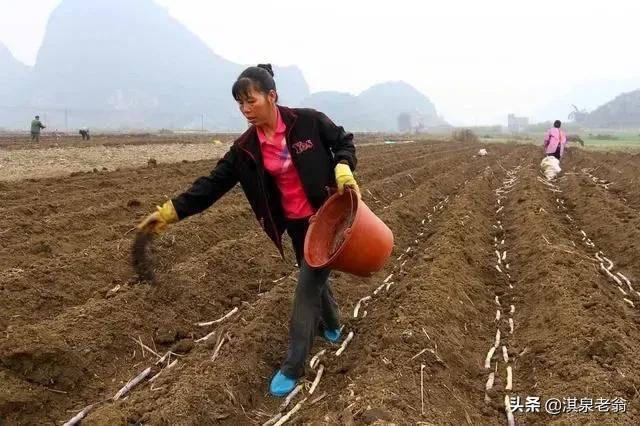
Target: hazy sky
(476, 60)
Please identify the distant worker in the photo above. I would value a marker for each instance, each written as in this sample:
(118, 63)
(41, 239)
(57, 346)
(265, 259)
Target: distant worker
(84, 132)
(36, 125)
(555, 140)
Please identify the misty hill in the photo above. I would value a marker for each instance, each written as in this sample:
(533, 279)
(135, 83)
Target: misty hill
(623, 111)
(375, 109)
(116, 64)
(13, 75)
(588, 95)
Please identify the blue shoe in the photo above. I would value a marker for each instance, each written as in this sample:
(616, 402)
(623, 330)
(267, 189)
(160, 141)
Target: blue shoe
(281, 385)
(332, 335)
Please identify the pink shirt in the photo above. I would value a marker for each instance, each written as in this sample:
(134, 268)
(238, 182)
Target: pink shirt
(277, 162)
(554, 137)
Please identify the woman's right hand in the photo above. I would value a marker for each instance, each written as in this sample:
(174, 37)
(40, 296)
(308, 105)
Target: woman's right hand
(157, 222)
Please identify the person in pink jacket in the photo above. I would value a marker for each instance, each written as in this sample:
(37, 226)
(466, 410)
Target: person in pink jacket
(555, 140)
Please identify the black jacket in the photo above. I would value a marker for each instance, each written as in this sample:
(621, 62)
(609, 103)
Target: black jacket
(316, 145)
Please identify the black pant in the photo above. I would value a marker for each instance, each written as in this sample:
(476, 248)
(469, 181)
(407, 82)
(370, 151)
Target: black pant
(555, 154)
(313, 305)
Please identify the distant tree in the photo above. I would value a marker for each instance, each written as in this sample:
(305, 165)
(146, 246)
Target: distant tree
(575, 138)
(465, 135)
(578, 115)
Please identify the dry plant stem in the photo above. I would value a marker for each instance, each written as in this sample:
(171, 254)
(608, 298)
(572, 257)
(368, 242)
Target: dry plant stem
(163, 357)
(422, 366)
(217, 350)
(360, 302)
(316, 358)
(287, 416)
(489, 385)
(227, 315)
(151, 380)
(610, 267)
(418, 354)
(272, 420)
(509, 385)
(81, 415)
(345, 344)
(377, 290)
(626, 280)
(316, 381)
(507, 408)
(487, 360)
(143, 346)
(616, 279)
(318, 399)
(132, 383)
(207, 337)
(290, 397)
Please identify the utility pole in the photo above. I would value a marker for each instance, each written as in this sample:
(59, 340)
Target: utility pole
(202, 122)
(66, 122)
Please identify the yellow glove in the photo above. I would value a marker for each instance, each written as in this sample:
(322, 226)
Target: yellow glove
(344, 178)
(157, 222)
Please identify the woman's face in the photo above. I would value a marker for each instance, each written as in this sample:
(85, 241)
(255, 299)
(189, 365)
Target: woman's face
(257, 107)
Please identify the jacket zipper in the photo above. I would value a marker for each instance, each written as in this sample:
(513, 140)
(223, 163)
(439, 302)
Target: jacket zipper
(266, 201)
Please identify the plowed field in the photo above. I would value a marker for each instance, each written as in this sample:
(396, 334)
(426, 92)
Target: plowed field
(500, 285)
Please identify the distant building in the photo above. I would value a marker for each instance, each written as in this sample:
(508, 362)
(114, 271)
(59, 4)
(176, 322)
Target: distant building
(411, 122)
(517, 124)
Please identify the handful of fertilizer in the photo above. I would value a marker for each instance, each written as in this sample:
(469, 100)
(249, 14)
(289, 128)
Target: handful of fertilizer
(142, 256)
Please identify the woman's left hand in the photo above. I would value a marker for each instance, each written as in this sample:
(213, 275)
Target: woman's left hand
(344, 178)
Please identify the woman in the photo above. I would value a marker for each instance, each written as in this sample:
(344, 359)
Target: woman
(555, 140)
(286, 163)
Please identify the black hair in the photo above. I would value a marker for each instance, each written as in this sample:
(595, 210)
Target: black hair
(259, 78)
(557, 124)
(37, 116)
